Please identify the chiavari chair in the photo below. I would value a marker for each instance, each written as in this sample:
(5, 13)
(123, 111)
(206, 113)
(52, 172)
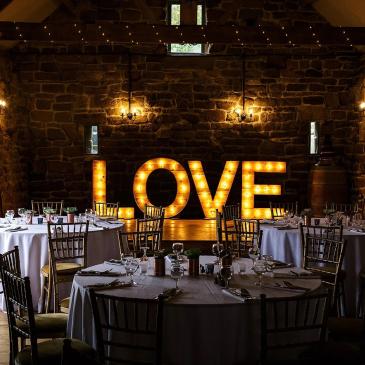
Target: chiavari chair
(109, 210)
(294, 323)
(128, 330)
(248, 234)
(324, 257)
(24, 325)
(10, 261)
(67, 245)
(229, 213)
(218, 226)
(38, 206)
(279, 209)
(150, 211)
(346, 208)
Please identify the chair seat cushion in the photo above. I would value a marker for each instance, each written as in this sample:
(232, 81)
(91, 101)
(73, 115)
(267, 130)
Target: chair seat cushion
(63, 268)
(64, 305)
(346, 327)
(50, 352)
(50, 325)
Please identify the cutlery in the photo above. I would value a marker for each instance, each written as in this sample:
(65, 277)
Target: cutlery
(168, 294)
(18, 230)
(115, 284)
(289, 285)
(12, 229)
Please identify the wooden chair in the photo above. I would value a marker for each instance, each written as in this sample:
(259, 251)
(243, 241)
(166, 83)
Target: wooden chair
(10, 261)
(248, 234)
(229, 213)
(132, 242)
(291, 323)
(38, 206)
(67, 244)
(128, 330)
(23, 325)
(150, 211)
(346, 208)
(325, 256)
(106, 209)
(278, 210)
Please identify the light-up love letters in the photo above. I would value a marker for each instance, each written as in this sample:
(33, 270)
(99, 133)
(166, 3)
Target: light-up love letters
(209, 204)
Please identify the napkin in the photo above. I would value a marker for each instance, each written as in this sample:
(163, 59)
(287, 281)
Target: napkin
(241, 294)
(98, 273)
(16, 229)
(113, 262)
(169, 294)
(276, 264)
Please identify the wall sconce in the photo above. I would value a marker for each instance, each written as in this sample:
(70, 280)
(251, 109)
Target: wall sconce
(130, 113)
(3, 106)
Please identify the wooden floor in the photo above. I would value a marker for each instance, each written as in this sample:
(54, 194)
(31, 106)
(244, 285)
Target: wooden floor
(4, 340)
(192, 232)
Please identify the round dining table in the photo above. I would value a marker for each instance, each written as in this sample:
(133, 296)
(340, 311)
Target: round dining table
(285, 244)
(32, 241)
(204, 323)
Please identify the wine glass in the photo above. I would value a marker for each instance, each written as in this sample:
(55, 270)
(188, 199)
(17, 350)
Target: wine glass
(254, 253)
(131, 266)
(9, 215)
(88, 214)
(269, 262)
(259, 269)
(177, 272)
(226, 274)
(178, 248)
(217, 248)
(21, 213)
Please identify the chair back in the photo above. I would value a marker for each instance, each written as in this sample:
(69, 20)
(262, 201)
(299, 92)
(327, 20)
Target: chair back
(128, 330)
(328, 232)
(19, 307)
(248, 234)
(325, 257)
(150, 211)
(39, 206)
(346, 208)
(132, 242)
(67, 242)
(291, 323)
(218, 226)
(11, 262)
(106, 209)
(229, 213)
(278, 209)
(124, 243)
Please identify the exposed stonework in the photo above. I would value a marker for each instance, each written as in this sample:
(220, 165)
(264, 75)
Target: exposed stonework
(187, 104)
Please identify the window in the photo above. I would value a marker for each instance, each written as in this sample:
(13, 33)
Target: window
(313, 138)
(175, 16)
(91, 139)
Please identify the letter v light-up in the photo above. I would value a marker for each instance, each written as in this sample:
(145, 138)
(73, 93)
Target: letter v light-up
(209, 205)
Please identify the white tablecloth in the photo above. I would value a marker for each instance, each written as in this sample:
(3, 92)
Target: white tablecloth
(285, 245)
(201, 325)
(33, 251)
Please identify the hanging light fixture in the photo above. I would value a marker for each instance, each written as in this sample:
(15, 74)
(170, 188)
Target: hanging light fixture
(240, 111)
(130, 113)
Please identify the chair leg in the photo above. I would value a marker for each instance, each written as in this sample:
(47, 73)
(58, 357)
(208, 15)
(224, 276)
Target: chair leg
(341, 299)
(360, 300)
(49, 294)
(44, 295)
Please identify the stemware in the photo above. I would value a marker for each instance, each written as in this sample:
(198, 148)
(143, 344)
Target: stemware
(131, 266)
(89, 214)
(178, 248)
(226, 274)
(21, 213)
(254, 253)
(9, 215)
(144, 249)
(259, 269)
(217, 248)
(177, 272)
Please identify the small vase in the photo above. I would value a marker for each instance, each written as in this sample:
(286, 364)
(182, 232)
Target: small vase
(29, 218)
(70, 218)
(193, 267)
(48, 217)
(159, 266)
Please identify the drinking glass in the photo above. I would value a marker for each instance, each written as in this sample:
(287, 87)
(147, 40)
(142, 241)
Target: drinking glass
(9, 215)
(177, 272)
(269, 262)
(131, 266)
(178, 248)
(259, 269)
(217, 248)
(226, 274)
(21, 213)
(89, 214)
(144, 256)
(254, 253)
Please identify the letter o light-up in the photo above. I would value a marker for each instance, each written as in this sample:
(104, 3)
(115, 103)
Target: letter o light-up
(182, 181)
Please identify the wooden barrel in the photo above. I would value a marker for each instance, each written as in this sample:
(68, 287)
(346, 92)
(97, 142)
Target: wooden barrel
(327, 184)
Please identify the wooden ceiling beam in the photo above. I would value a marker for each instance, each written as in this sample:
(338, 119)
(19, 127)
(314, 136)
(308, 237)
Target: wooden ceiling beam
(146, 33)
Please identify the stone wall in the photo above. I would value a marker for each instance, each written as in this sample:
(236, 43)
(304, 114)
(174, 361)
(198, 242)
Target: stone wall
(187, 104)
(14, 139)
